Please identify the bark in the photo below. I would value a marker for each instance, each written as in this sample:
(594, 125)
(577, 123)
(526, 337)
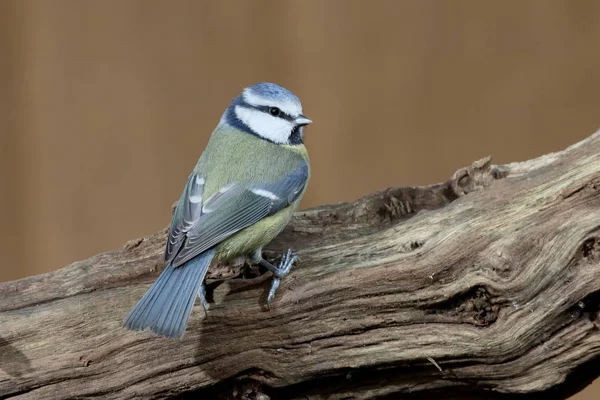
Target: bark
(486, 285)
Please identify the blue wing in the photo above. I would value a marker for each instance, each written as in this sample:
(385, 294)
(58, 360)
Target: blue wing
(199, 224)
(187, 212)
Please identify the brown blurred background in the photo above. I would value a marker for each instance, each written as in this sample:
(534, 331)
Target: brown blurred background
(105, 106)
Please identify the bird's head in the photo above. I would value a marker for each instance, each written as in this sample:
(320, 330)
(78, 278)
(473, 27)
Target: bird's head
(268, 111)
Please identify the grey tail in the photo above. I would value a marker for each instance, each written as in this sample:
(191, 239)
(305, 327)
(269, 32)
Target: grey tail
(167, 305)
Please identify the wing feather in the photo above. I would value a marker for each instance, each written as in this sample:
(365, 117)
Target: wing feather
(187, 212)
(200, 226)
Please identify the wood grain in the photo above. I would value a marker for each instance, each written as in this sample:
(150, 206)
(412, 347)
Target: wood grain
(486, 285)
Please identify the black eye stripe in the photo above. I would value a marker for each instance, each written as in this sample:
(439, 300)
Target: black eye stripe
(281, 115)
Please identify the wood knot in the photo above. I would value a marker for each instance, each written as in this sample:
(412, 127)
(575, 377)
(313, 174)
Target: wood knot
(85, 361)
(416, 244)
(588, 308)
(590, 250)
(475, 306)
(479, 175)
(478, 306)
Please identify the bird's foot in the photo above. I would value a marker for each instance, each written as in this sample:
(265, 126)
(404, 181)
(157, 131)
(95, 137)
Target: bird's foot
(284, 268)
(202, 296)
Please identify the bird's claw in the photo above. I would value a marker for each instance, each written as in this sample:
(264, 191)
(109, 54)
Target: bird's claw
(202, 296)
(284, 268)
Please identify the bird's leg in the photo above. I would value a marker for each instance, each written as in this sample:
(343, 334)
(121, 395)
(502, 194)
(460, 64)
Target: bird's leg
(202, 296)
(285, 265)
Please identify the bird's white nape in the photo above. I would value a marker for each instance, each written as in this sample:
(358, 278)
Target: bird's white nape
(272, 128)
(289, 107)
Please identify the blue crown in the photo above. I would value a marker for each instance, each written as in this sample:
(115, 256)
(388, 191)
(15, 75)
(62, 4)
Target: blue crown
(272, 91)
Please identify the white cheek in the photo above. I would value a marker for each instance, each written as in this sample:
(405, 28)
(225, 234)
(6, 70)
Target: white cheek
(272, 128)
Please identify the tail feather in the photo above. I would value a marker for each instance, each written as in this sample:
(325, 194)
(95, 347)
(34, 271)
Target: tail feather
(167, 305)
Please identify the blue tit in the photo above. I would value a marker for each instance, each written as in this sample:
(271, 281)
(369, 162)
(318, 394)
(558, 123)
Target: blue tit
(242, 193)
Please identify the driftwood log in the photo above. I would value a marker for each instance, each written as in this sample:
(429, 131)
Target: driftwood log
(484, 286)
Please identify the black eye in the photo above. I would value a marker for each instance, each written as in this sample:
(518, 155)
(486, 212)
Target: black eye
(274, 111)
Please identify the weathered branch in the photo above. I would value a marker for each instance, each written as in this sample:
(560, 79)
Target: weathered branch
(486, 284)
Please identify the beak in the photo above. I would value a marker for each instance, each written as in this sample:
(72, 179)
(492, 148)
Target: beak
(301, 120)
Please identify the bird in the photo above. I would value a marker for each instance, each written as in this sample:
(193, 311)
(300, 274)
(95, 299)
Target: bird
(242, 192)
